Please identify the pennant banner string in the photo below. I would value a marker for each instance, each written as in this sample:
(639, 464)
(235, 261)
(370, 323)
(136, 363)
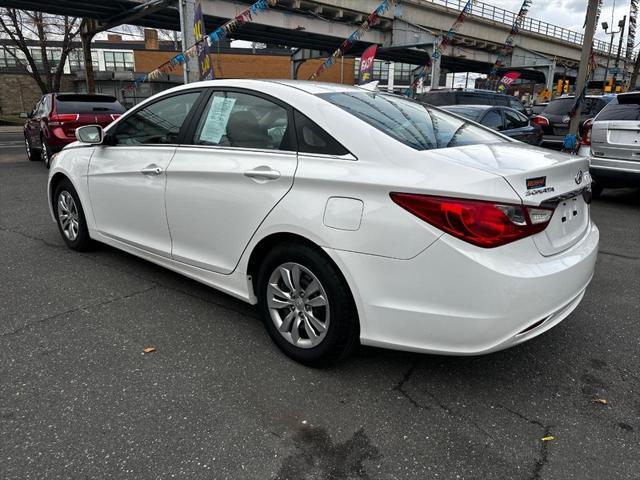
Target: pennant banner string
(216, 36)
(441, 46)
(365, 26)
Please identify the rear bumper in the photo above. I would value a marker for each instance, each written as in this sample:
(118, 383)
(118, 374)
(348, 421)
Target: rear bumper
(611, 172)
(553, 141)
(457, 299)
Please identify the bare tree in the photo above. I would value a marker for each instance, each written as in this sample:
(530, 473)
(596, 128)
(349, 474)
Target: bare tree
(23, 27)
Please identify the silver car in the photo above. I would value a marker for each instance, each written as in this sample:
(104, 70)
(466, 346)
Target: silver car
(614, 141)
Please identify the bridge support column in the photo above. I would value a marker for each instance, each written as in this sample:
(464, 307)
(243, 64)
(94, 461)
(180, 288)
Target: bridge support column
(300, 56)
(551, 71)
(435, 72)
(187, 9)
(391, 77)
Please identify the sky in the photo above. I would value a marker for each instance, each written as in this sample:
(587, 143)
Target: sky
(568, 13)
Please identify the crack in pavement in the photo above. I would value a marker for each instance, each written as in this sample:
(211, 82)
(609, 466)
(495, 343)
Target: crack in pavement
(543, 457)
(135, 275)
(619, 255)
(444, 407)
(75, 309)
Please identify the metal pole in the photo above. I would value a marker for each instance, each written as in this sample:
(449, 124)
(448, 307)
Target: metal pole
(590, 29)
(613, 83)
(183, 35)
(606, 70)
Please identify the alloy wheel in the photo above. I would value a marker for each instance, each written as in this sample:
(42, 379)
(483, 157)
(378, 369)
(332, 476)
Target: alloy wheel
(298, 305)
(68, 215)
(44, 152)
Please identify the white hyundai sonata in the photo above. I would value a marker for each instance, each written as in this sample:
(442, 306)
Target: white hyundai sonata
(347, 215)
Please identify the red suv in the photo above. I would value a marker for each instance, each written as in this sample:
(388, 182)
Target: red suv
(52, 123)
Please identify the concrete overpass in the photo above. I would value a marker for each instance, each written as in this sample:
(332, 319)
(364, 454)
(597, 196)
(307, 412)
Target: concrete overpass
(405, 35)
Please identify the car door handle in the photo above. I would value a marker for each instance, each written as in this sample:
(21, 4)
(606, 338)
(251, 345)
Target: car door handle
(262, 173)
(152, 169)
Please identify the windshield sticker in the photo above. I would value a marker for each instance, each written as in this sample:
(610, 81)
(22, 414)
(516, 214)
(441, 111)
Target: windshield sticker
(537, 182)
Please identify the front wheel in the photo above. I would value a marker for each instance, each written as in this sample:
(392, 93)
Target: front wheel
(32, 155)
(70, 216)
(45, 153)
(306, 305)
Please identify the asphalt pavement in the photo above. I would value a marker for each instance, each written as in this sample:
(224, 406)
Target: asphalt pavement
(216, 400)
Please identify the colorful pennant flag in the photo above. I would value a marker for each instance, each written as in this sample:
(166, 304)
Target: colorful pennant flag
(441, 46)
(365, 26)
(217, 35)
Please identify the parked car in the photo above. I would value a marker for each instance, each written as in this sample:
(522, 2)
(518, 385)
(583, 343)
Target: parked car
(346, 215)
(441, 97)
(53, 121)
(538, 108)
(554, 119)
(612, 142)
(503, 119)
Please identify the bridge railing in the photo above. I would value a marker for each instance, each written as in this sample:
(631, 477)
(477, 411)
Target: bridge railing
(497, 14)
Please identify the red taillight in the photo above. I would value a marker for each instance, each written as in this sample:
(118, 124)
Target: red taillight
(585, 138)
(115, 116)
(485, 224)
(540, 121)
(57, 120)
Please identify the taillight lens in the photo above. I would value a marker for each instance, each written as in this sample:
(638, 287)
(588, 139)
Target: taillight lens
(540, 121)
(481, 223)
(57, 120)
(585, 138)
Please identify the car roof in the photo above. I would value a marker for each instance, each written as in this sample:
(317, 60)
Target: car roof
(471, 106)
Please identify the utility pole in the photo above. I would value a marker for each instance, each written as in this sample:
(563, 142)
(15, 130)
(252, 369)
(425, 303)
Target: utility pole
(622, 24)
(585, 56)
(634, 74)
(187, 9)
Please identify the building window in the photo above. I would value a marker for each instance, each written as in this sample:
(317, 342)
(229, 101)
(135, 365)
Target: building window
(118, 61)
(7, 60)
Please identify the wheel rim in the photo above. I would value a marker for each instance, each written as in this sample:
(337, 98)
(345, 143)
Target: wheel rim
(298, 305)
(45, 153)
(68, 215)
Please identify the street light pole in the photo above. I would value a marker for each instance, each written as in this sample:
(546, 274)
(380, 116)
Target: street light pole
(621, 24)
(590, 30)
(605, 26)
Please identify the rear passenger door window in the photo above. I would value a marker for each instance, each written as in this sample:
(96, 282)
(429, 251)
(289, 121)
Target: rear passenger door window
(240, 120)
(514, 120)
(493, 119)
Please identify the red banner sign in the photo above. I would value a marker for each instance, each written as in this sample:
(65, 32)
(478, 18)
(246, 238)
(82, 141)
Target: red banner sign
(366, 64)
(507, 80)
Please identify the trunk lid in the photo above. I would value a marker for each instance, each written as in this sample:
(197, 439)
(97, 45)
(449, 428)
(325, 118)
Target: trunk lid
(616, 139)
(539, 176)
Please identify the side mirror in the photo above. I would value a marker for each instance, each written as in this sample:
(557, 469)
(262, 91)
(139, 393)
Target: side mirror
(24, 115)
(92, 134)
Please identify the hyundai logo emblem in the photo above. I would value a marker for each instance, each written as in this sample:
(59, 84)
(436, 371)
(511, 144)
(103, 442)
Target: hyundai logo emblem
(579, 177)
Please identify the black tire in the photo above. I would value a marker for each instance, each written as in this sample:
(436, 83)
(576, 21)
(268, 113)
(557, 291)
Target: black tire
(32, 155)
(45, 153)
(596, 189)
(342, 335)
(81, 241)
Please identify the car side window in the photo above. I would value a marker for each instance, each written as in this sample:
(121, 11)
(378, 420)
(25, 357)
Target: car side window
(158, 123)
(493, 119)
(514, 120)
(502, 100)
(313, 139)
(516, 105)
(36, 109)
(241, 120)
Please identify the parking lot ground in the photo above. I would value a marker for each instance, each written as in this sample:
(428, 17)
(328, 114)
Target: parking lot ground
(216, 400)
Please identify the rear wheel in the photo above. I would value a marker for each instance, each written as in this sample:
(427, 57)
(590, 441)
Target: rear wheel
(70, 216)
(306, 305)
(32, 155)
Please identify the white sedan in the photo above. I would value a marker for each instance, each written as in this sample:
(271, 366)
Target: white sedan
(347, 215)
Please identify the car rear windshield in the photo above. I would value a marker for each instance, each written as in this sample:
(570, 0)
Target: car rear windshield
(624, 107)
(88, 104)
(469, 112)
(416, 125)
(559, 106)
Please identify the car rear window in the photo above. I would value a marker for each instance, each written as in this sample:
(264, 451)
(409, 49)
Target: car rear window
(437, 98)
(411, 123)
(469, 112)
(88, 104)
(560, 106)
(624, 107)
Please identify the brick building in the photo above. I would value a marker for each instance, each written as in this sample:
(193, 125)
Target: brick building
(118, 61)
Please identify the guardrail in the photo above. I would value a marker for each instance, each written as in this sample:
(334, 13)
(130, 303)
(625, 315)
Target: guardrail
(497, 14)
